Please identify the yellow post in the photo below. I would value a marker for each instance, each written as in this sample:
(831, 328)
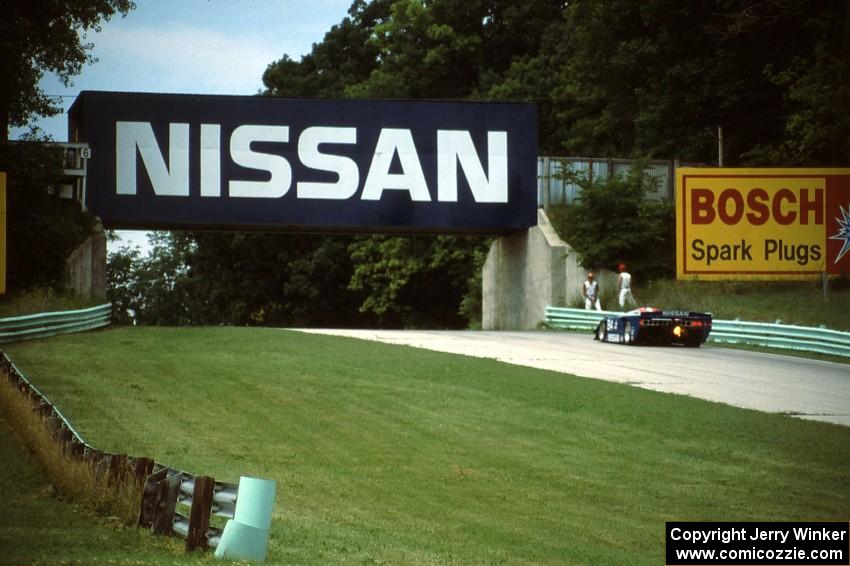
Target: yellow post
(2, 233)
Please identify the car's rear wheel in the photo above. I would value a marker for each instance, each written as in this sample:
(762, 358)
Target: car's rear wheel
(602, 331)
(627, 333)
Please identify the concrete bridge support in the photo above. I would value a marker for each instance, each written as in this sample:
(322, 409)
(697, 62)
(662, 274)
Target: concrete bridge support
(525, 272)
(86, 267)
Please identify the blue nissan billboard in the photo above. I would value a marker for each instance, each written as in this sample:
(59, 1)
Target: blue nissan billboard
(180, 161)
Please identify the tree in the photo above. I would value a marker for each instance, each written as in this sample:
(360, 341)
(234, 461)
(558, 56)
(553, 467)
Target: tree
(656, 78)
(613, 221)
(121, 275)
(42, 229)
(346, 56)
(44, 35)
(273, 279)
(419, 281)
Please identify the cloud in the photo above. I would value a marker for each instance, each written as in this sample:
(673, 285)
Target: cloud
(181, 58)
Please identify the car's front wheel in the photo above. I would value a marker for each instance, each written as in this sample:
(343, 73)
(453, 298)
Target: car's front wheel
(627, 333)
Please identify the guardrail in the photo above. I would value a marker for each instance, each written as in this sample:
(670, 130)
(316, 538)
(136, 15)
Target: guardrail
(785, 336)
(198, 498)
(18, 328)
(172, 502)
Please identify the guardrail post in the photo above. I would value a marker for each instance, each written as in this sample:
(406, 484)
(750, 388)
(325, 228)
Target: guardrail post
(117, 470)
(150, 492)
(142, 468)
(199, 516)
(166, 501)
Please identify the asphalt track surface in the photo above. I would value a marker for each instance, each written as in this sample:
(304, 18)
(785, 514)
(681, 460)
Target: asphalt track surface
(805, 388)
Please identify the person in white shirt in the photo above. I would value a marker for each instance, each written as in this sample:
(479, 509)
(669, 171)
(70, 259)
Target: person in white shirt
(624, 284)
(591, 293)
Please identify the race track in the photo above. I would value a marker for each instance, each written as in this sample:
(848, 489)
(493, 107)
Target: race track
(773, 383)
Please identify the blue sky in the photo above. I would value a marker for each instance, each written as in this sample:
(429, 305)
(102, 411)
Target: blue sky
(194, 46)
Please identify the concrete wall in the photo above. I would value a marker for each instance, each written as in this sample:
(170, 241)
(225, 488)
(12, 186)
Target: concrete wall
(86, 267)
(525, 272)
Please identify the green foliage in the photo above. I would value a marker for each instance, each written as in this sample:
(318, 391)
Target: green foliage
(283, 279)
(656, 78)
(400, 455)
(42, 229)
(792, 302)
(288, 280)
(44, 35)
(422, 281)
(121, 290)
(614, 222)
(346, 56)
(410, 48)
(41, 300)
(41, 526)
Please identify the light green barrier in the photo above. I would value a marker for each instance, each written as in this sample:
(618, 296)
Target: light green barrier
(15, 329)
(820, 340)
(246, 536)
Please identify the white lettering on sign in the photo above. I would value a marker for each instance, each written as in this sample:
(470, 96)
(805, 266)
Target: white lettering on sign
(344, 167)
(167, 180)
(242, 154)
(455, 151)
(210, 160)
(391, 142)
(455, 146)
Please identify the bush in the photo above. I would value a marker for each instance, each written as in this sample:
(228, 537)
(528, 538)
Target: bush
(614, 222)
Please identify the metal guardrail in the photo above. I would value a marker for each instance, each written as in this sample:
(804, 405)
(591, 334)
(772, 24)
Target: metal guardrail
(18, 328)
(785, 336)
(177, 503)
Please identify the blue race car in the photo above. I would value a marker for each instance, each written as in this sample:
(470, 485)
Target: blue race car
(655, 326)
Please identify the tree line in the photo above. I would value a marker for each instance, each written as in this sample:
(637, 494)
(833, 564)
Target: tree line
(610, 78)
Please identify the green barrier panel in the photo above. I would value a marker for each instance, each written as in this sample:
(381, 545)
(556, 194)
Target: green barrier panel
(242, 542)
(246, 536)
(255, 502)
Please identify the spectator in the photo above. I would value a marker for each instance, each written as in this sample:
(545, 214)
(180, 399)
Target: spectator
(591, 293)
(624, 284)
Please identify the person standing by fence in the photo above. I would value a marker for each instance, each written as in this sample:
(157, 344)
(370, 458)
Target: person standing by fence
(624, 284)
(590, 290)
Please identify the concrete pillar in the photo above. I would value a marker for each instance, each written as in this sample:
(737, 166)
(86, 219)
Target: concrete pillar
(525, 272)
(86, 266)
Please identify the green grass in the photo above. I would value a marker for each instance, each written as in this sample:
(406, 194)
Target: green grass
(38, 527)
(43, 300)
(388, 454)
(794, 302)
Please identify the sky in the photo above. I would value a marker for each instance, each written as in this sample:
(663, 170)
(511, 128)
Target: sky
(195, 47)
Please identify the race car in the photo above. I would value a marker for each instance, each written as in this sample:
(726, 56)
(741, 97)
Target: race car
(655, 326)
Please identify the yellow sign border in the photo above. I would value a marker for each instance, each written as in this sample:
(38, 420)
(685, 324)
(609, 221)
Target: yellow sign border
(681, 172)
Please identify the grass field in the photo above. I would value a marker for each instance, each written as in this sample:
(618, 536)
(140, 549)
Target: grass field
(792, 302)
(37, 527)
(387, 454)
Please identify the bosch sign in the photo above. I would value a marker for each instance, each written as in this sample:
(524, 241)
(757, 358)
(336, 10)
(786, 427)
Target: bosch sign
(189, 161)
(762, 223)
